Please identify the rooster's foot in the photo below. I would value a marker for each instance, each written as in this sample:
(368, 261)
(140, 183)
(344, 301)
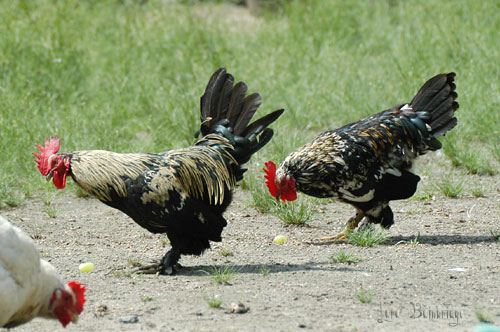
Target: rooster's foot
(342, 236)
(157, 268)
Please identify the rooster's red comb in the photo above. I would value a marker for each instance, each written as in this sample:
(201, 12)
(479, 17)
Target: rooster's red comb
(51, 148)
(79, 291)
(271, 178)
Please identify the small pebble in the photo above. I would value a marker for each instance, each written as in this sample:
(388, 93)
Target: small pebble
(237, 308)
(131, 319)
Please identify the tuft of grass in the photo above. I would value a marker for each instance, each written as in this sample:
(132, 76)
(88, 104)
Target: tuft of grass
(474, 161)
(423, 196)
(294, 213)
(222, 275)
(450, 187)
(412, 243)
(134, 262)
(214, 301)
(415, 241)
(14, 199)
(146, 299)
(478, 191)
(496, 151)
(342, 257)
(262, 201)
(414, 211)
(226, 252)
(298, 212)
(495, 234)
(51, 211)
(365, 296)
(264, 270)
(482, 316)
(366, 237)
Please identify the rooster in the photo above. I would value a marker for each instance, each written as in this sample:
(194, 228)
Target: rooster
(183, 192)
(368, 163)
(29, 286)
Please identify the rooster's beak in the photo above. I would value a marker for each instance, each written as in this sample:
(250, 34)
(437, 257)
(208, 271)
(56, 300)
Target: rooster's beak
(50, 175)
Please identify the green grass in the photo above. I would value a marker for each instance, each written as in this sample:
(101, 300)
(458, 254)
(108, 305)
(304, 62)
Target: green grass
(127, 75)
(481, 316)
(146, 299)
(478, 191)
(226, 252)
(262, 201)
(134, 262)
(495, 234)
(264, 270)
(367, 237)
(298, 212)
(342, 257)
(222, 275)
(51, 211)
(412, 243)
(414, 211)
(422, 196)
(472, 160)
(451, 187)
(364, 296)
(213, 301)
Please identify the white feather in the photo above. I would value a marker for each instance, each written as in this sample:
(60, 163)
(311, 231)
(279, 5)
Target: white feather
(350, 196)
(393, 171)
(406, 107)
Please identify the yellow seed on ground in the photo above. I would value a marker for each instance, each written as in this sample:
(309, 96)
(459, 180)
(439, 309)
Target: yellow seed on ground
(86, 267)
(280, 239)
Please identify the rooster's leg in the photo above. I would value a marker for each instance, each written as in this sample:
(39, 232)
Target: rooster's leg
(351, 224)
(168, 264)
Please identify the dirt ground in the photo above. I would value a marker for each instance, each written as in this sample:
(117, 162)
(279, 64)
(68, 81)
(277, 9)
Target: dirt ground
(438, 283)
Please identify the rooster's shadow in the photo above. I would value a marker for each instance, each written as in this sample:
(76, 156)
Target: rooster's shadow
(265, 268)
(440, 239)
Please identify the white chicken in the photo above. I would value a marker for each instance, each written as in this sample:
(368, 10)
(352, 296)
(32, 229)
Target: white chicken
(29, 286)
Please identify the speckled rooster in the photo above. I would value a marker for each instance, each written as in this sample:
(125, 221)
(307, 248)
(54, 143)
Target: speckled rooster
(184, 192)
(368, 163)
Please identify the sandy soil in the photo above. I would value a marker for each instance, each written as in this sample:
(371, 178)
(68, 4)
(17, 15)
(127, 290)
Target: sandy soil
(437, 284)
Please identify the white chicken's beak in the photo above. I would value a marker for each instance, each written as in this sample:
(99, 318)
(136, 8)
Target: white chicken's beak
(74, 317)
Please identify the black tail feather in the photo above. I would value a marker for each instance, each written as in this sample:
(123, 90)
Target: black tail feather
(226, 110)
(258, 126)
(236, 102)
(435, 103)
(250, 105)
(210, 101)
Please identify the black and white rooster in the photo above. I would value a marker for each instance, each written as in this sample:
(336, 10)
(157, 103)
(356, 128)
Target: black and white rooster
(368, 163)
(183, 192)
